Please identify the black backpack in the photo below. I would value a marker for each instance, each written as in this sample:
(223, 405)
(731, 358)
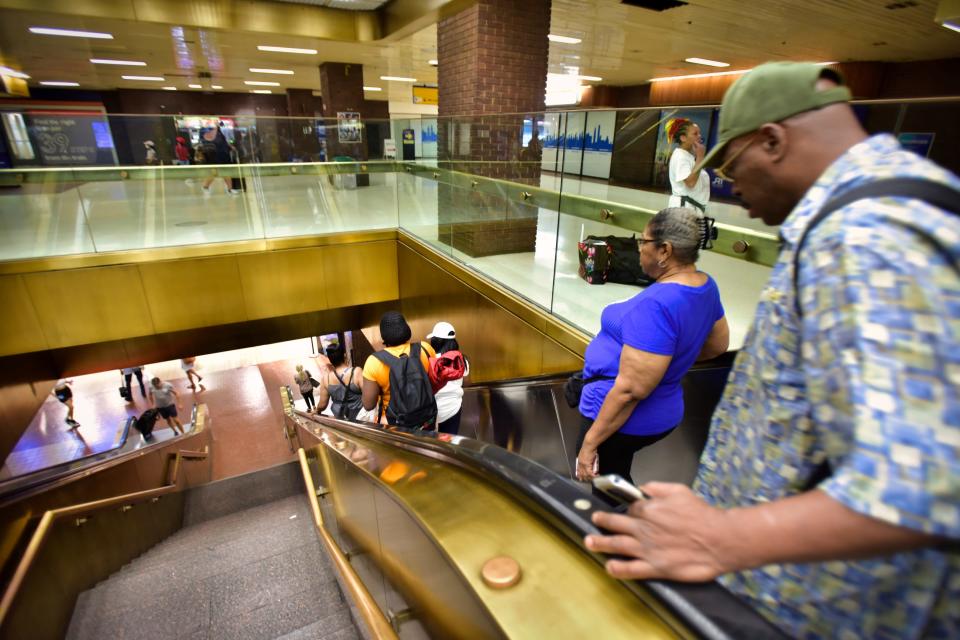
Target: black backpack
(346, 402)
(624, 263)
(412, 404)
(145, 423)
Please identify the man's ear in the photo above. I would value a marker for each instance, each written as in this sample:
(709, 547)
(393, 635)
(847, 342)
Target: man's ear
(773, 141)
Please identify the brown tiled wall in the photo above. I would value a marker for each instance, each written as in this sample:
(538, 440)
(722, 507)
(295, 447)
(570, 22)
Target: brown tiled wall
(342, 87)
(493, 60)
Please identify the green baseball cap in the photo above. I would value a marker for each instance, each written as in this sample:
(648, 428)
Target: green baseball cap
(770, 93)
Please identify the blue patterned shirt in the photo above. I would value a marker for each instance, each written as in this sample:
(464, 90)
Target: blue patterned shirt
(868, 380)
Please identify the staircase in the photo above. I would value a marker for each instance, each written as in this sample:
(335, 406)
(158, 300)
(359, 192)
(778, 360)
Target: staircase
(247, 564)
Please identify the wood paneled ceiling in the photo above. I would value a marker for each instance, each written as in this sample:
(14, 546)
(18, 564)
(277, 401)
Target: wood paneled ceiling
(622, 44)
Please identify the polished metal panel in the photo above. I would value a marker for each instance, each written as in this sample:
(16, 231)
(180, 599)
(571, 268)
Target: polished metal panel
(279, 283)
(21, 331)
(360, 273)
(88, 305)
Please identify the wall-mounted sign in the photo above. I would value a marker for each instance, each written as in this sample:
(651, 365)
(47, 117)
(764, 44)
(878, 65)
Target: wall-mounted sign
(348, 126)
(65, 140)
(426, 95)
(919, 143)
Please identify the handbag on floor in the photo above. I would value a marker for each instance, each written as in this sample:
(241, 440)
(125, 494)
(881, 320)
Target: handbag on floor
(623, 261)
(594, 256)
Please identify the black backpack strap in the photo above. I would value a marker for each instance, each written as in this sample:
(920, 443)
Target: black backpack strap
(935, 193)
(337, 376)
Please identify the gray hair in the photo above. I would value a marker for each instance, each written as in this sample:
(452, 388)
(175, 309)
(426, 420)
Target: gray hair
(682, 228)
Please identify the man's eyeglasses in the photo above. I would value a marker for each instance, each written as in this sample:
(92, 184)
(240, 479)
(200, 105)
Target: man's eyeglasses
(724, 171)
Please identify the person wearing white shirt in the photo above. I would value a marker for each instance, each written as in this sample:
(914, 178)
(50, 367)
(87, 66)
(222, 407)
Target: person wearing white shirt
(689, 188)
(449, 398)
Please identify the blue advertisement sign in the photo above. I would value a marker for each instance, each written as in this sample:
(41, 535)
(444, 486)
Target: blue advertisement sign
(919, 143)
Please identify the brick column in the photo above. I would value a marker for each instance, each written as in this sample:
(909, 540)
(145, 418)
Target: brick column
(493, 60)
(341, 85)
(301, 103)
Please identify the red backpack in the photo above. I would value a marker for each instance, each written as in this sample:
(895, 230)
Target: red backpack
(446, 367)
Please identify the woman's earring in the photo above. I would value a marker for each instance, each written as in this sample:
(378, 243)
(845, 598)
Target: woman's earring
(661, 264)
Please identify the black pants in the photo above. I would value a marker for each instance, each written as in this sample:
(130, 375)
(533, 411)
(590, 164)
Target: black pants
(308, 398)
(451, 425)
(616, 452)
(129, 376)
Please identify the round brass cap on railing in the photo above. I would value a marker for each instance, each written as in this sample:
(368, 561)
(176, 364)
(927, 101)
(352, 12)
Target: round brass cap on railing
(605, 214)
(436, 174)
(526, 195)
(741, 246)
(124, 174)
(293, 170)
(500, 572)
(475, 183)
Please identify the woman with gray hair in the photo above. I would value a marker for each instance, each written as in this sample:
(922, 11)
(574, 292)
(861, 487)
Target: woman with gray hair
(632, 369)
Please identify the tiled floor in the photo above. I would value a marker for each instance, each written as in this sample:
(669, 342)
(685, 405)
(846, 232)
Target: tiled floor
(242, 397)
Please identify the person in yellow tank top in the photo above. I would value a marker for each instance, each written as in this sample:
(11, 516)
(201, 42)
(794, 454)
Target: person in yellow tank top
(395, 333)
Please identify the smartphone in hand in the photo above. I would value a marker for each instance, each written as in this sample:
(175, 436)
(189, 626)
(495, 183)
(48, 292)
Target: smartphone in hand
(619, 489)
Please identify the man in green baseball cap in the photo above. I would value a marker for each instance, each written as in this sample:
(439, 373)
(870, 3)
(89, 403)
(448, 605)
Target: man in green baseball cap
(828, 493)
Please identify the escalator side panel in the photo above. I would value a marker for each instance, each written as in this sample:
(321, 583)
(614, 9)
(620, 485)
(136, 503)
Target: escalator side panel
(524, 421)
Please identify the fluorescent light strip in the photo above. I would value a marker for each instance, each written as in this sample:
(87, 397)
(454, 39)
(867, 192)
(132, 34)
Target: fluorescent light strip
(372, 89)
(260, 91)
(721, 73)
(169, 88)
(953, 26)
(13, 73)
(72, 33)
(145, 78)
(195, 86)
(279, 72)
(709, 63)
(311, 52)
(124, 63)
(261, 83)
(215, 86)
(590, 78)
(433, 63)
(564, 39)
(398, 79)
(59, 83)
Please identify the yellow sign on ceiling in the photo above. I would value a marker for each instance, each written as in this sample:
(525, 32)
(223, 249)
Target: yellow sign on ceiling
(426, 95)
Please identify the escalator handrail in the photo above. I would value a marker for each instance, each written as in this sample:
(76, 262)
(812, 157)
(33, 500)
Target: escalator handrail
(554, 496)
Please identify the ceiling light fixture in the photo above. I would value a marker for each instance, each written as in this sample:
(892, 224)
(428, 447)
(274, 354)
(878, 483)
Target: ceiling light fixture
(309, 52)
(372, 89)
(433, 63)
(59, 83)
(72, 33)
(591, 78)
(398, 79)
(720, 73)
(124, 63)
(260, 91)
(279, 72)
(169, 88)
(195, 86)
(705, 61)
(951, 25)
(13, 73)
(145, 78)
(261, 83)
(564, 39)
(215, 86)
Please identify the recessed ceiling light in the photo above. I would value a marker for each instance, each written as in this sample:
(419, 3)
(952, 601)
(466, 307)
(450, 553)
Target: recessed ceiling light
(59, 83)
(591, 78)
(398, 78)
(261, 83)
(372, 89)
(720, 73)
(215, 86)
(145, 78)
(125, 63)
(195, 86)
(279, 72)
(13, 73)
(564, 39)
(260, 91)
(310, 52)
(169, 88)
(953, 26)
(433, 63)
(709, 63)
(73, 33)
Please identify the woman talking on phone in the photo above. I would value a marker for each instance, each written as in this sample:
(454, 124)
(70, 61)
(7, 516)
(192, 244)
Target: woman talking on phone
(633, 367)
(689, 188)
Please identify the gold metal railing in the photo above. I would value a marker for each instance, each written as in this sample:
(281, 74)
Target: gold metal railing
(84, 543)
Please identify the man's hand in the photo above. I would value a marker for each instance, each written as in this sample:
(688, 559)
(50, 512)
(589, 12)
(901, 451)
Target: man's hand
(586, 463)
(675, 535)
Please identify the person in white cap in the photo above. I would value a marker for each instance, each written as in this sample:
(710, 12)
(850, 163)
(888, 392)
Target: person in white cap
(449, 398)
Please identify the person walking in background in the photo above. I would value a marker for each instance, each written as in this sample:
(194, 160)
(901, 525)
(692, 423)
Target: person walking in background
(689, 188)
(151, 157)
(181, 152)
(189, 366)
(828, 494)
(128, 374)
(215, 151)
(64, 394)
(167, 401)
(304, 382)
(342, 385)
(635, 364)
(449, 397)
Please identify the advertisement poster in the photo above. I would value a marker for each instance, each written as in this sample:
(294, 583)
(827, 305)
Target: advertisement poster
(409, 142)
(919, 143)
(598, 143)
(661, 161)
(348, 126)
(65, 140)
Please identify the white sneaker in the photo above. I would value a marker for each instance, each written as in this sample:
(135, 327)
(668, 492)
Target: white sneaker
(234, 192)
